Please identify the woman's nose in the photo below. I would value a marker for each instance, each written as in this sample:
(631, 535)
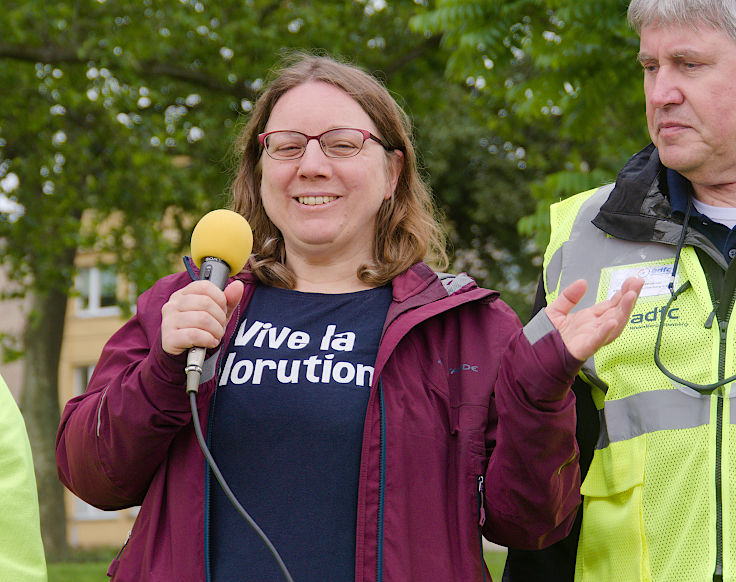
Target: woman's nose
(314, 161)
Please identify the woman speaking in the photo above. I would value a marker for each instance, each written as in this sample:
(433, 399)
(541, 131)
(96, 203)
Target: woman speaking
(374, 417)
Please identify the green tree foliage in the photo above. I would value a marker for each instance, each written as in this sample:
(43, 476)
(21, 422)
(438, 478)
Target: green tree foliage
(115, 114)
(558, 77)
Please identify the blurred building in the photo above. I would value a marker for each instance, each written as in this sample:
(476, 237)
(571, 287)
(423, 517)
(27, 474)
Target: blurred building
(92, 317)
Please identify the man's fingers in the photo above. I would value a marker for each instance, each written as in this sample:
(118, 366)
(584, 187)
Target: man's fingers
(569, 297)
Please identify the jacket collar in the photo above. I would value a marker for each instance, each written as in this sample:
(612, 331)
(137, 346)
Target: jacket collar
(638, 208)
(416, 286)
(639, 201)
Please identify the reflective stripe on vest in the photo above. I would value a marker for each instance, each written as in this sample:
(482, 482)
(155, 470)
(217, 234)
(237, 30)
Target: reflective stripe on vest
(587, 251)
(652, 411)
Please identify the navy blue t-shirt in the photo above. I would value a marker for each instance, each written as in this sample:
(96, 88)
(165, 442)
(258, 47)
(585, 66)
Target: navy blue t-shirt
(286, 429)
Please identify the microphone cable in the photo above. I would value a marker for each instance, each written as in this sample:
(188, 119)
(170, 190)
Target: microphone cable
(228, 492)
(221, 243)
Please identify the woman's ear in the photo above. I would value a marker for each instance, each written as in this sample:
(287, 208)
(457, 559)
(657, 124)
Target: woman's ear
(394, 165)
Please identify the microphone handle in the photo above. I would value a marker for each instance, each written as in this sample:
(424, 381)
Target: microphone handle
(215, 271)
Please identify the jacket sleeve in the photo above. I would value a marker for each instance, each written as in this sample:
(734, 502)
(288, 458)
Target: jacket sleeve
(533, 478)
(21, 550)
(556, 563)
(113, 437)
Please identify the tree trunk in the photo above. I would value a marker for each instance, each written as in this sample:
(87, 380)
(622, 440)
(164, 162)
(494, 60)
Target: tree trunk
(40, 405)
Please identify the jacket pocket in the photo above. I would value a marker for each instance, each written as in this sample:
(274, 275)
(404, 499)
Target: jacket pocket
(612, 544)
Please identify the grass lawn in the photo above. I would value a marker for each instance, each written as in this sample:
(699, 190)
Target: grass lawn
(83, 566)
(78, 572)
(495, 561)
(95, 571)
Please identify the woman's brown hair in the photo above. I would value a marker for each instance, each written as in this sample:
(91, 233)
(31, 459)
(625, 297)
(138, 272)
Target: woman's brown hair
(407, 228)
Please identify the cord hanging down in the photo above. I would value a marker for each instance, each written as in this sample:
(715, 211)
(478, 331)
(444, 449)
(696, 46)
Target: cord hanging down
(228, 492)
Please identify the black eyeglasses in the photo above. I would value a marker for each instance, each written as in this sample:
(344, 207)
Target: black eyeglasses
(342, 142)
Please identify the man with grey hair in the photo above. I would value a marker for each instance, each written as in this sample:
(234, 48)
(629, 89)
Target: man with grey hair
(657, 409)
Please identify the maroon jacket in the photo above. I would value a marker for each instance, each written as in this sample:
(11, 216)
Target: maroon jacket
(470, 429)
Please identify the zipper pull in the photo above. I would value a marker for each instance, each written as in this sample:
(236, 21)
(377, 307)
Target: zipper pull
(711, 317)
(723, 327)
(481, 499)
(115, 564)
(709, 321)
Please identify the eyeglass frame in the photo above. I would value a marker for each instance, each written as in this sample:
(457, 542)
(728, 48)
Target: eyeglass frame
(364, 132)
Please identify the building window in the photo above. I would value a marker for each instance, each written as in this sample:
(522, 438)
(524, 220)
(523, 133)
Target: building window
(97, 291)
(83, 511)
(80, 510)
(82, 374)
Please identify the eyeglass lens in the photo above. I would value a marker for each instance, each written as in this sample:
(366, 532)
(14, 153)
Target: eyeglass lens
(335, 143)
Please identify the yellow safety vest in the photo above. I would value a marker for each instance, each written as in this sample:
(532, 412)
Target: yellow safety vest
(659, 504)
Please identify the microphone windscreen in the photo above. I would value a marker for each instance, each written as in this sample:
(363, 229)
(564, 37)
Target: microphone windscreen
(225, 235)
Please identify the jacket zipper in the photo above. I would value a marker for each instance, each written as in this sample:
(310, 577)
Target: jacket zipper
(222, 352)
(480, 480)
(115, 564)
(99, 409)
(207, 495)
(722, 310)
(382, 485)
(722, 328)
(208, 471)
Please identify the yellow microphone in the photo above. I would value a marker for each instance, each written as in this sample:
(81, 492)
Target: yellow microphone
(221, 244)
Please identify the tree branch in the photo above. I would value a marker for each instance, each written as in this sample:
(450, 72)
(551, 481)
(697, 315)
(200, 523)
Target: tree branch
(158, 69)
(55, 55)
(34, 54)
(429, 45)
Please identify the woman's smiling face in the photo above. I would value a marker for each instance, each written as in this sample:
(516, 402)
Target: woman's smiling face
(326, 207)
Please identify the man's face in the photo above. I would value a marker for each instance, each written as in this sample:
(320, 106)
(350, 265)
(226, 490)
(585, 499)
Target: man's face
(690, 90)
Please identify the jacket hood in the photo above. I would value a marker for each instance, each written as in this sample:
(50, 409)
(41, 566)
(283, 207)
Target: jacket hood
(638, 208)
(421, 280)
(417, 286)
(639, 200)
